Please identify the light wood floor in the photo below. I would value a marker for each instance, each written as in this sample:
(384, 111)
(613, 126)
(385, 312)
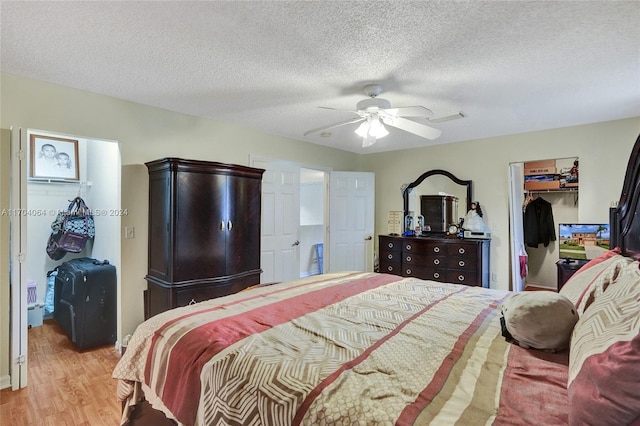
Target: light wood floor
(65, 386)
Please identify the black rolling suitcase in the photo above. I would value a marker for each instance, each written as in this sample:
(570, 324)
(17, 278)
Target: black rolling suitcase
(85, 302)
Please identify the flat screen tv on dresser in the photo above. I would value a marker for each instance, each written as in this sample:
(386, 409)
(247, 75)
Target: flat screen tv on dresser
(580, 242)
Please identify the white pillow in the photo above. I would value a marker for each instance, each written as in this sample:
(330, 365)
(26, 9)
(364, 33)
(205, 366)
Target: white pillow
(540, 319)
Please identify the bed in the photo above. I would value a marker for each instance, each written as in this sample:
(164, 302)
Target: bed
(358, 348)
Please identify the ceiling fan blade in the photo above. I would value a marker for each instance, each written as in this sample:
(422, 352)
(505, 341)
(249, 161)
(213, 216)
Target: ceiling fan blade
(410, 111)
(331, 126)
(446, 117)
(343, 110)
(413, 127)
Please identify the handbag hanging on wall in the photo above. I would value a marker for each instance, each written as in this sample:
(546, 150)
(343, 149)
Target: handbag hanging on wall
(71, 230)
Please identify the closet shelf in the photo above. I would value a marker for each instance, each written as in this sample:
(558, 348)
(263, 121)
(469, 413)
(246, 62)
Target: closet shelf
(544, 191)
(65, 181)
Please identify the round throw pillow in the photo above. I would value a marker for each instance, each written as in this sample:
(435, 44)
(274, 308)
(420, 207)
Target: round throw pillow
(540, 319)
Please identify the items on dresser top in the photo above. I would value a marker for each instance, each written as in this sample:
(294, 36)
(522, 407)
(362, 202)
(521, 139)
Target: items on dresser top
(453, 260)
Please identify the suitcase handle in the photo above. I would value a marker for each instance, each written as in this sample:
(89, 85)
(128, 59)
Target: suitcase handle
(73, 319)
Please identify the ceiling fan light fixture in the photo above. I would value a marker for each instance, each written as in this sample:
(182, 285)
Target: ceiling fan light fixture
(372, 128)
(377, 129)
(363, 129)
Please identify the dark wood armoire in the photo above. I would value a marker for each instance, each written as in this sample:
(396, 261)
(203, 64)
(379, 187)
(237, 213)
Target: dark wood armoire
(204, 231)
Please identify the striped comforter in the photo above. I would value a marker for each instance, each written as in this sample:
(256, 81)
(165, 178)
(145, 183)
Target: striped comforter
(346, 348)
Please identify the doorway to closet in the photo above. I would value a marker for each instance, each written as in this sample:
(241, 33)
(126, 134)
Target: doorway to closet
(551, 183)
(96, 179)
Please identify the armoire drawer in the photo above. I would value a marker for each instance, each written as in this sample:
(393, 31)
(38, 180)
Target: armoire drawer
(193, 295)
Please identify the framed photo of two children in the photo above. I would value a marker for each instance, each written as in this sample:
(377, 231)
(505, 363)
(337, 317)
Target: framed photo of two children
(53, 158)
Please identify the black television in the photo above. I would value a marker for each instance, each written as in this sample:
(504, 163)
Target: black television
(581, 242)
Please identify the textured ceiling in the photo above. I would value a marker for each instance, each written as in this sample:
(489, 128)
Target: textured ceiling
(510, 67)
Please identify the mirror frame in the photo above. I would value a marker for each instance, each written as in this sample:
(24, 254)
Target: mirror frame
(461, 182)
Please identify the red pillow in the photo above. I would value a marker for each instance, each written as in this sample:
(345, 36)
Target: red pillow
(604, 358)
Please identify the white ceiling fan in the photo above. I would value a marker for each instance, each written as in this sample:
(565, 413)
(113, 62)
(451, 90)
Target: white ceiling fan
(373, 112)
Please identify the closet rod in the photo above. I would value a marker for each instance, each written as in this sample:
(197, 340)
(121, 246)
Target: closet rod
(550, 191)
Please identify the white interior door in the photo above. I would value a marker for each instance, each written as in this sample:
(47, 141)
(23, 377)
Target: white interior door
(280, 240)
(18, 231)
(351, 205)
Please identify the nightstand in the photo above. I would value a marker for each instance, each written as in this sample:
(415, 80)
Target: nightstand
(567, 269)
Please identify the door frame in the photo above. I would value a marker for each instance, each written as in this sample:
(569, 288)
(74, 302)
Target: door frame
(18, 364)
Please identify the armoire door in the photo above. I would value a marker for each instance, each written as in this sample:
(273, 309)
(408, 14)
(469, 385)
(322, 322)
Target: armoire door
(243, 227)
(159, 225)
(201, 222)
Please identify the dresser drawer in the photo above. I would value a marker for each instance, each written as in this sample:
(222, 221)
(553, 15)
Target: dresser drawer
(426, 247)
(389, 244)
(469, 263)
(390, 256)
(462, 277)
(423, 259)
(462, 249)
(424, 272)
(387, 267)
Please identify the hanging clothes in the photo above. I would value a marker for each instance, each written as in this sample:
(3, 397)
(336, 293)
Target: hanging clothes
(538, 224)
(523, 259)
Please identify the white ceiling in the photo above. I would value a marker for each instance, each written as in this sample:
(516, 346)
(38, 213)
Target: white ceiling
(509, 66)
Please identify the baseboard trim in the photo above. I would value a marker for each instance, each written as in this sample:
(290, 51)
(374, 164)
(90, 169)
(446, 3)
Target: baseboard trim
(5, 382)
(309, 273)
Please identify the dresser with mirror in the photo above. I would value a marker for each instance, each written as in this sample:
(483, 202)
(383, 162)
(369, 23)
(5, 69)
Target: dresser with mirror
(438, 253)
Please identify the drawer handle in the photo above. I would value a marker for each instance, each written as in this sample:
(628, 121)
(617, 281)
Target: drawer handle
(408, 247)
(389, 256)
(460, 277)
(436, 261)
(408, 258)
(436, 249)
(408, 271)
(461, 250)
(222, 225)
(390, 245)
(461, 263)
(436, 275)
(193, 302)
(389, 268)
